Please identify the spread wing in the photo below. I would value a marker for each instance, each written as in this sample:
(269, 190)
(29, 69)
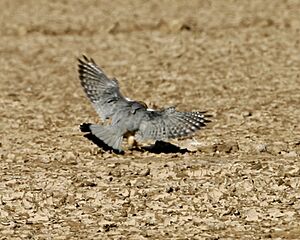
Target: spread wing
(169, 123)
(103, 92)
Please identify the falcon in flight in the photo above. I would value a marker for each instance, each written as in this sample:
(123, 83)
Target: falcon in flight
(128, 117)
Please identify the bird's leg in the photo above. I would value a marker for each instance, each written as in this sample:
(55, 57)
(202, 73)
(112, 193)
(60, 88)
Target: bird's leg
(131, 142)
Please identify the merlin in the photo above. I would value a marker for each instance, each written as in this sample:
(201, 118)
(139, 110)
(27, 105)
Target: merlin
(130, 118)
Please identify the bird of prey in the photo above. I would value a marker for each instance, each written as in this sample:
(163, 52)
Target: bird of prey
(128, 117)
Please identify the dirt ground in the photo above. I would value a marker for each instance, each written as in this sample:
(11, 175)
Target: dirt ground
(238, 60)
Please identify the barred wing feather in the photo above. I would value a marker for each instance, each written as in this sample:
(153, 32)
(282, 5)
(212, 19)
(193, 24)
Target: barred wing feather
(169, 123)
(103, 92)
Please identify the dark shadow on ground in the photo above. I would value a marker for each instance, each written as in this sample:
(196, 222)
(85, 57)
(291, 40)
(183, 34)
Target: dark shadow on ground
(158, 147)
(164, 147)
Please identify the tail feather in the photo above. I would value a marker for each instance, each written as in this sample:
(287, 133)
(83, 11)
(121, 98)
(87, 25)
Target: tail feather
(108, 135)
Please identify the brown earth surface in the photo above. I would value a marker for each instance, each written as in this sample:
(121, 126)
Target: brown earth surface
(238, 60)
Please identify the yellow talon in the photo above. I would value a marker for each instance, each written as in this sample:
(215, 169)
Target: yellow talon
(131, 142)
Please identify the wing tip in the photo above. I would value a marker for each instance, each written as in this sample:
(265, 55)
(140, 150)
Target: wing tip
(85, 60)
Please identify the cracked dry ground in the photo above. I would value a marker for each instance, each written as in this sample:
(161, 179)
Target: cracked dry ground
(238, 60)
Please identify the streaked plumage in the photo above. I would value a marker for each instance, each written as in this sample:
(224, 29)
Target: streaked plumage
(128, 116)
